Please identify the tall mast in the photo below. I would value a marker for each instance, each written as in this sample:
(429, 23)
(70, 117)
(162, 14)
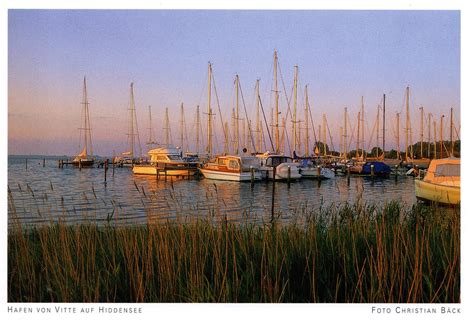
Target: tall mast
(133, 128)
(306, 118)
(451, 133)
(441, 138)
(362, 120)
(324, 133)
(258, 129)
(182, 128)
(383, 127)
(151, 136)
(167, 128)
(421, 127)
(209, 112)
(198, 129)
(237, 124)
(235, 148)
(319, 137)
(398, 136)
(249, 134)
(345, 133)
(277, 132)
(295, 93)
(358, 132)
(435, 138)
(341, 140)
(86, 128)
(378, 136)
(429, 135)
(226, 131)
(407, 126)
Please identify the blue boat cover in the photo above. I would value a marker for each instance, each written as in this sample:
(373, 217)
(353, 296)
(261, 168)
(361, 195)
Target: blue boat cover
(379, 168)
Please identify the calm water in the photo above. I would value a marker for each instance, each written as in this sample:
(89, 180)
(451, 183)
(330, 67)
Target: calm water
(43, 194)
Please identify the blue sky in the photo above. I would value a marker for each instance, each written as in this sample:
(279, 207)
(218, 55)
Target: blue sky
(341, 55)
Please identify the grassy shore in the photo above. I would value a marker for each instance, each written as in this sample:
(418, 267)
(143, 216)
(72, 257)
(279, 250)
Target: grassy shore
(341, 253)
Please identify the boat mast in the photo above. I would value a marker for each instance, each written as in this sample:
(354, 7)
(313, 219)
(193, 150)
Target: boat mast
(237, 135)
(319, 138)
(182, 128)
(198, 128)
(345, 133)
(451, 133)
(358, 132)
(362, 121)
(324, 134)
(234, 142)
(306, 117)
(421, 126)
(277, 133)
(133, 125)
(167, 128)
(383, 127)
(378, 131)
(226, 131)
(258, 129)
(87, 128)
(398, 137)
(151, 136)
(435, 138)
(407, 126)
(341, 141)
(295, 93)
(429, 136)
(209, 112)
(441, 138)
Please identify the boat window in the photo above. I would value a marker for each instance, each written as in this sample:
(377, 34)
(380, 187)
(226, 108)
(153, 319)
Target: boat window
(221, 162)
(174, 157)
(160, 158)
(233, 164)
(448, 170)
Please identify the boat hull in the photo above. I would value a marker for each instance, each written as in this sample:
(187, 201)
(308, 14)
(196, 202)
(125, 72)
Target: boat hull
(83, 163)
(323, 173)
(438, 193)
(230, 176)
(152, 170)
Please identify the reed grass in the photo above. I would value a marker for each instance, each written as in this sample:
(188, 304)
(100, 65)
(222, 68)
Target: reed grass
(347, 253)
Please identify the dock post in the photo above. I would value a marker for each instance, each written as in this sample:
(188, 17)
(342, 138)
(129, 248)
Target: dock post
(396, 172)
(252, 176)
(318, 168)
(372, 171)
(289, 176)
(44, 162)
(59, 164)
(26, 164)
(348, 173)
(113, 168)
(166, 175)
(273, 197)
(80, 164)
(106, 163)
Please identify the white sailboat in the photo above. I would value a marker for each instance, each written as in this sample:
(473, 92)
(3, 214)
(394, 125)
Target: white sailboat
(85, 158)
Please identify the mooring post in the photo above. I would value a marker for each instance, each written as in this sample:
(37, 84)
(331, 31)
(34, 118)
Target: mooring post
(166, 175)
(289, 175)
(44, 162)
(396, 172)
(252, 176)
(372, 171)
(348, 173)
(80, 164)
(273, 196)
(26, 164)
(106, 163)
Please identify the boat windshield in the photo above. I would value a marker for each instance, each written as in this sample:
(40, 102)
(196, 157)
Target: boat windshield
(248, 162)
(448, 170)
(277, 160)
(174, 157)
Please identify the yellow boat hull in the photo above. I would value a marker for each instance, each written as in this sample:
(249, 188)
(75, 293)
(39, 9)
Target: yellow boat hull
(436, 192)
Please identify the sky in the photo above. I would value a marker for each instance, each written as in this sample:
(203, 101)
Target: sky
(341, 56)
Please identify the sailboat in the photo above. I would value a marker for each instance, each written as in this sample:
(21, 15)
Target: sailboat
(129, 158)
(85, 158)
(410, 160)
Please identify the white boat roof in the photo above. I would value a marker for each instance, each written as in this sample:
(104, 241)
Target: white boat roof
(164, 151)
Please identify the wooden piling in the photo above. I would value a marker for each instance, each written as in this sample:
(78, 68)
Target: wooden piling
(348, 173)
(252, 176)
(289, 176)
(44, 162)
(26, 164)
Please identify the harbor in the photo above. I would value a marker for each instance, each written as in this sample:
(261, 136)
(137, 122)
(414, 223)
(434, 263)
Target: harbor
(155, 157)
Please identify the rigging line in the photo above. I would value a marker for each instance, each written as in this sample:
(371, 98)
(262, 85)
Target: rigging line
(312, 122)
(218, 106)
(266, 124)
(247, 117)
(330, 136)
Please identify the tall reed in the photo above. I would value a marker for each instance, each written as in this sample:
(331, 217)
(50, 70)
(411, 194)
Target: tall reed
(339, 253)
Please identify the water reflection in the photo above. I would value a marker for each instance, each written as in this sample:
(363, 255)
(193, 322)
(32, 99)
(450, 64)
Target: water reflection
(41, 194)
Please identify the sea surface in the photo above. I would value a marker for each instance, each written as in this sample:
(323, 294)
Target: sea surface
(40, 194)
